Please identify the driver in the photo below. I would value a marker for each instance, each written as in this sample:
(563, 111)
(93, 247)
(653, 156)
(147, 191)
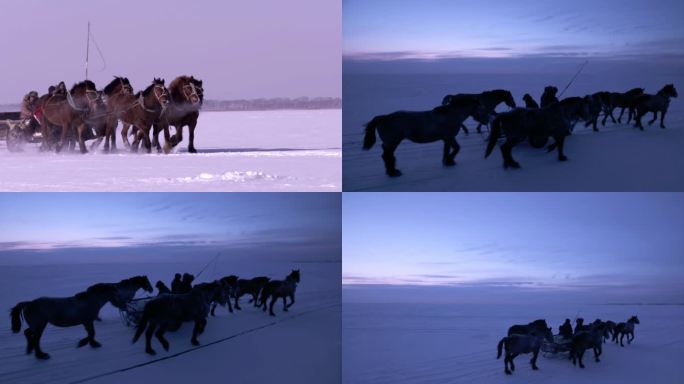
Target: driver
(28, 107)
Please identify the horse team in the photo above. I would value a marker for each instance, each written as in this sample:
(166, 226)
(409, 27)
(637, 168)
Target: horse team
(67, 115)
(552, 118)
(165, 312)
(529, 338)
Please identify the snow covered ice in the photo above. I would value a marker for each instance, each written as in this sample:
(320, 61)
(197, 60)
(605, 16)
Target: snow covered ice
(293, 150)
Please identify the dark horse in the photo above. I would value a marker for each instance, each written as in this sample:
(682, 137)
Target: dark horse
(624, 101)
(140, 110)
(78, 108)
(625, 329)
(117, 99)
(585, 337)
(654, 103)
(251, 287)
(537, 325)
(229, 284)
(281, 288)
(529, 101)
(187, 96)
(80, 309)
(522, 123)
(516, 344)
(168, 312)
(489, 99)
(440, 123)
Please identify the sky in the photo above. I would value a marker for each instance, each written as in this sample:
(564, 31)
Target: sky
(105, 225)
(241, 49)
(544, 242)
(432, 30)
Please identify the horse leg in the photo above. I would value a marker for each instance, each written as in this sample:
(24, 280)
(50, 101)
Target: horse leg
(270, 308)
(655, 117)
(285, 306)
(622, 111)
(213, 308)
(506, 149)
(510, 361)
(90, 328)
(191, 144)
(581, 355)
(195, 332)
(639, 115)
(611, 115)
(160, 336)
(81, 142)
(29, 340)
(155, 138)
(124, 135)
(560, 140)
(662, 117)
(148, 338)
(535, 354)
(63, 136)
(478, 127)
(463, 127)
(237, 304)
(390, 160)
(292, 300)
(449, 158)
(622, 335)
(37, 333)
(506, 358)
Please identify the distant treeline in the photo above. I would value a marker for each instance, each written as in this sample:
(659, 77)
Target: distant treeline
(252, 104)
(275, 103)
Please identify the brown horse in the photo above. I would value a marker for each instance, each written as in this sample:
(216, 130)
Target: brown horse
(139, 110)
(80, 106)
(118, 86)
(187, 96)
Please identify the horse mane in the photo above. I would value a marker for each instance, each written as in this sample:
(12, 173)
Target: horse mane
(110, 87)
(85, 83)
(147, 90)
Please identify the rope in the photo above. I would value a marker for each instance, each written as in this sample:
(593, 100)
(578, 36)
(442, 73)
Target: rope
(245, 332)
(205, 267)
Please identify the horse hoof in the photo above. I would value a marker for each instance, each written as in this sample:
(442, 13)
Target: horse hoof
(394, 173)
(151, 352)
(95, 344)
(43, 356)
(508, 372)
(563, 158)
(195, 342)
(166, 346)
(535, 368)
(81, 343)
(192, 150)
(272, 314)
(449, 163)
(662, 126)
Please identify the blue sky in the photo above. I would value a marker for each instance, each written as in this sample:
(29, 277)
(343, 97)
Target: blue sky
(42, 222)
(379, 30)
(547, 241)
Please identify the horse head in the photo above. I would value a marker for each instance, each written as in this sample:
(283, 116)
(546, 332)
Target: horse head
(509, 100)
(293, 276)
(143, 282)
(157, 88)
(634, 320)
(669, 90)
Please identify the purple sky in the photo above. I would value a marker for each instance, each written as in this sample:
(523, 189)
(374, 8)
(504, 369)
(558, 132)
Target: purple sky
(241, 49)
(609, 242)
(93, 227)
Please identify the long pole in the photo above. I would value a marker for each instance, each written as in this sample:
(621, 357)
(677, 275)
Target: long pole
(573, 78)
(87, 51)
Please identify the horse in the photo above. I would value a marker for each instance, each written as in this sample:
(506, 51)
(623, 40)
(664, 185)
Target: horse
(625, 329)
(440, 123)
(229, 284)
(78, 107)
(162, 288)
(168, 312)
(126, 290)
(522, 123)
(281, 288)
(537, 325)
(489, 99)
(80, 309)
(549, 96)
(575, 109)
(140, 110)
(516, 344)
(529, 102)
(594, 108)
(119, 86)
(654, 103)
(187, 97)
(625, 101)
(583, 339)
(252, 287)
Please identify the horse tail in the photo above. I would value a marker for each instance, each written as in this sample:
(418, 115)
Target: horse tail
(500, 347)
(15, 313)
(141, 325)
(493, 136)
(369, 137)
